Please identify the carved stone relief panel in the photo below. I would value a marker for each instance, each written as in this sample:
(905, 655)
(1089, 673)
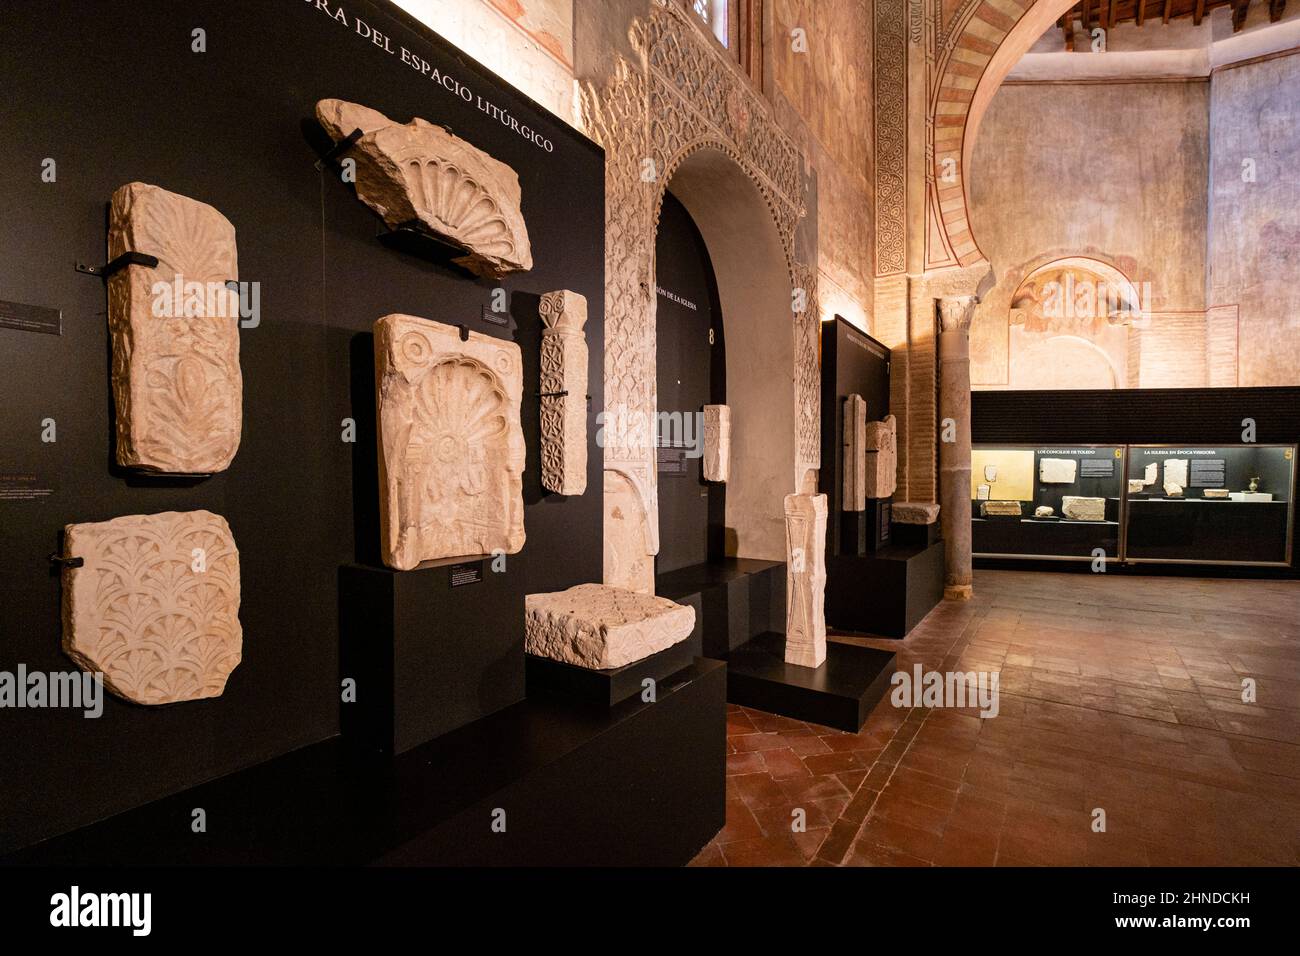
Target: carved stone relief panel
(855, 453)
(564, 393)
(177, 384)
(717, 442)
(1057, 471)
(418, 172)
(629, 560)
(805, 528)
(451, 449)
(882, 457)
(601, 627)
(155, 606)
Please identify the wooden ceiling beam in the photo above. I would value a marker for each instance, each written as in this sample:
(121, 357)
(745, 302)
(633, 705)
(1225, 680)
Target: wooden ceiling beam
(1084, 15)
(1275, 10)
(1113, 17)
(1239, 10)
(1169, 9)
(1067, 28)
(1199, 14)
(1139, 11)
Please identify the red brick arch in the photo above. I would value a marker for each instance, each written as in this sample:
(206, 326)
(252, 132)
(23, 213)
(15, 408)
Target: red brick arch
(986, 40)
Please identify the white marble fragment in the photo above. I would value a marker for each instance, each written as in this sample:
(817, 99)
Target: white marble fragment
(601, 627)
(1057, 471)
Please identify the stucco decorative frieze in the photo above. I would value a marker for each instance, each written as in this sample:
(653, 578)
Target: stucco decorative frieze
(564, 393)
(154, 606)
(451, 449)
(177, 384)
(889, 76)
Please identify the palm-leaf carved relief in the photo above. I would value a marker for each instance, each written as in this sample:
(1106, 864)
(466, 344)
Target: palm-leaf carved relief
(418, 172)
(175, 331)
(155, 606)
(451, 448)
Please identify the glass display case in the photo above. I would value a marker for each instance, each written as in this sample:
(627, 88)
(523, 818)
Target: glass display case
(1062, 502)
(1219, 504)
(1205, 504)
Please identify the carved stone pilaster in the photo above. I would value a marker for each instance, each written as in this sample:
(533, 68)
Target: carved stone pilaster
(564, 393)
(805, 627)
(717, 442)
(855, 453)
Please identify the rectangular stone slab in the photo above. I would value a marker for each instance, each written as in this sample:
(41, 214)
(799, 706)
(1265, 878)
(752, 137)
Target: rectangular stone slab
(1000, 508)
(717, 442)
(882, 457)
(1057, 471)
(177, 385)
(155, 606)
(854, 491)
(451, 449)
(805, 621)
(601, 627)
(1083, 509)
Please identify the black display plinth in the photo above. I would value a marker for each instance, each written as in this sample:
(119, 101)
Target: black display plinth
(428, 656)
(862, 532)
(735, 599)
(914, 535)
(886, 593)
(638, 784)
(609, 687)
(838, 694)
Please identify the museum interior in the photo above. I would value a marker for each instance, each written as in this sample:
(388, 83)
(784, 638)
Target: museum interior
(651, 433)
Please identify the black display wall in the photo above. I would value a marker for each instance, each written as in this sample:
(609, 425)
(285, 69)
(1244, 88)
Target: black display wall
(691, 372)
(116, 92)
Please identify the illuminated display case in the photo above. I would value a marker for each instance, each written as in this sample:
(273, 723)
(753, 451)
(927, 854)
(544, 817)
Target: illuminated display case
(1060, 502)
(1190, 504)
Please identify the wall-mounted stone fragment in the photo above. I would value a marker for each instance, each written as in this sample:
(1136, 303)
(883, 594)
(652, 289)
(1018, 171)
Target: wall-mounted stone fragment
(990, 473)
(717, 442)
(601, 627)
(854, 484)
(1136, 486)
(417, 172)
(1000, 509)
(882, 457)
(155, 606)
(1083, 509)
(982, 492)
(1057, 471)
(1151, 471)
(451, 449)
(177, 385)
(564, 393)
(1175, 476)
(805, 529)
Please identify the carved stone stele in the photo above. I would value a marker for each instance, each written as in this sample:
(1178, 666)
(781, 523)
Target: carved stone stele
(717, 442)
(451, 449)
(882, 457)
(155, 606)
(1080, 508)
(601, 627)
(855, 453)
(417, 172)
(805, 624)
(175, 334)
(564, 370)
(1057, 471)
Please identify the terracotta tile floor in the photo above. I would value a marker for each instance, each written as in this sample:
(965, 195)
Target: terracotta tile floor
(1116, 693)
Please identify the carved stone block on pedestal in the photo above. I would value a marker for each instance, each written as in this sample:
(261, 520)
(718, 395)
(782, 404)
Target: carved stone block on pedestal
(1083, 509)
(1002, 509)
(805, 534)
(914, 512)
(882, 457)
(419, 173)
(451, 449)
(855, 453)
(155, 606)
(717, 442)
(1057, 471)
(564, 393)
(601, 627)
(175, 334)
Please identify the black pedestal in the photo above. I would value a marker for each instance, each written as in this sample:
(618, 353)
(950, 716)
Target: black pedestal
(427, 657)
(886, 593)
(635, 785)
(838, 694)
(734, 600)
(609, 687)
(914, 535)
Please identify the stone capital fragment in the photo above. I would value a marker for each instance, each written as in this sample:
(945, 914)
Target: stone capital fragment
(805, 529)
(451, 448)
(174, 328)
(914, 512)
(717, 442)
(155, 605)
(564, 392)
(418, 172)
(602, 627)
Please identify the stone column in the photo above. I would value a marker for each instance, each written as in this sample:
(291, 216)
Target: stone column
(955, 314)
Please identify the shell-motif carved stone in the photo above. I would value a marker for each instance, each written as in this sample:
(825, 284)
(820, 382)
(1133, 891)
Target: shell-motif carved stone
(417, 172)
(451, 449)
(177, 383)
(155, 606)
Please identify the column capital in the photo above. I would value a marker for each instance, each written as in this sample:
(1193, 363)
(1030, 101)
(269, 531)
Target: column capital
(956, 312)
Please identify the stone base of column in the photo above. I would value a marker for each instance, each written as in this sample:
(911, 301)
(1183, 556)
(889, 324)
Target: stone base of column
(958, 592)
